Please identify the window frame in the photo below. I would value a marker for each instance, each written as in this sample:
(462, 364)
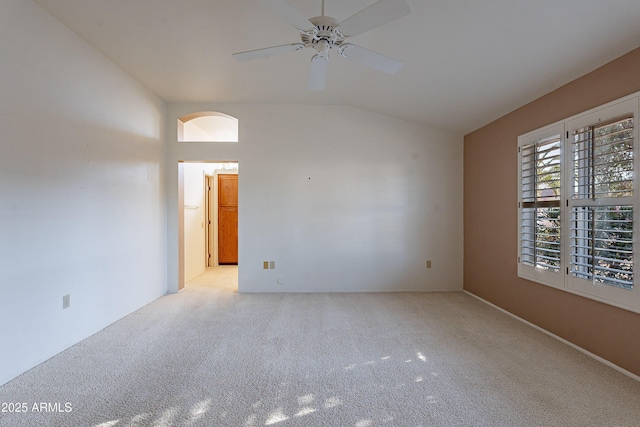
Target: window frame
(563, 279)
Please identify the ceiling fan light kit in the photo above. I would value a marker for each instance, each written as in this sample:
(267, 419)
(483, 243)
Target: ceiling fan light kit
(325, 33)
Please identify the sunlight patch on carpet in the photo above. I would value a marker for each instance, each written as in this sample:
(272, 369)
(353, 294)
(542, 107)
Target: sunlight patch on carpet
(276, 416)
(332, 402)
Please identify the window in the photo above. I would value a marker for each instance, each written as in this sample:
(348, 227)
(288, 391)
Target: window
(207, 126)
(578, 202)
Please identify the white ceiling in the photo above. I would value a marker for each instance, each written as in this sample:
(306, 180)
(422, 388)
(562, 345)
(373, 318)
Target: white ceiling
(467, 62)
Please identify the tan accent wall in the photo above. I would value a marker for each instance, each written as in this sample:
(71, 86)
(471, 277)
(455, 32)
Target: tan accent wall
(490, 221)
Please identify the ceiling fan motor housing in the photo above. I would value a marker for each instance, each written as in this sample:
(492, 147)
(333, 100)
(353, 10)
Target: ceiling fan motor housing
(324, 37)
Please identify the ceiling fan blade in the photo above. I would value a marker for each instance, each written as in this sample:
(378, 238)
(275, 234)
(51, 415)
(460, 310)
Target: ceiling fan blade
(267, 51)
(289, 14)
(373, 16)
(370, 58)
(318, 74)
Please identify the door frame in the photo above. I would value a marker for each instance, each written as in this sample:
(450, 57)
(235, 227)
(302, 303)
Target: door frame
(210, 221)
(180, 214)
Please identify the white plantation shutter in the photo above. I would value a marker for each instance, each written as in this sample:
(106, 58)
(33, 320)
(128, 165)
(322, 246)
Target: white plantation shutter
(602, 244)
(540, 183)
(603, 160)
(603, 170)
(540, 203)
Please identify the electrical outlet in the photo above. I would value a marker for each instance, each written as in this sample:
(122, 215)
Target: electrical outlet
(428, 263)
(272, 265)
(66, 301)
(265, 265)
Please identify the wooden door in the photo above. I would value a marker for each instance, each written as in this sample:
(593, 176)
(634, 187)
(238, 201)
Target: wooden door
(227, 219)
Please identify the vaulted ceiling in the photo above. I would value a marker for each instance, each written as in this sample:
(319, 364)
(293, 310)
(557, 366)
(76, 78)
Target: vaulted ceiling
(467, 62)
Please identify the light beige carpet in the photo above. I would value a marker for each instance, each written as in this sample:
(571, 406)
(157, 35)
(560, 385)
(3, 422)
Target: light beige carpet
(213, 357)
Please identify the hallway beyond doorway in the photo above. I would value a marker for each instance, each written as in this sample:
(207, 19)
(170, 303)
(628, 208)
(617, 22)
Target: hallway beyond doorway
(224, 278)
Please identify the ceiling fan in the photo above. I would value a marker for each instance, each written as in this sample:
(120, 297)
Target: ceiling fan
(324, 33)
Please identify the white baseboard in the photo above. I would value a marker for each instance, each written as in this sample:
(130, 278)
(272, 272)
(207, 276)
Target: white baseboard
(580, 349)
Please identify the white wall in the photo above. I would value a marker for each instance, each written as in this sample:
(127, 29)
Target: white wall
(192, 132)
(341, 199)
(82, 209)
(194, 217)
